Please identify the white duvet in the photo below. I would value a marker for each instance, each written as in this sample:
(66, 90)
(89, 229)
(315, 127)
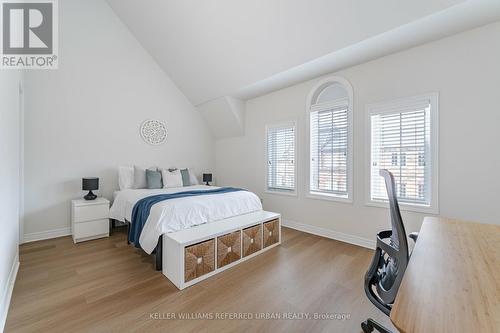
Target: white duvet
(182, 213)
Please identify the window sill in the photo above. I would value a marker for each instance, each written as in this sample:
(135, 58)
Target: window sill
(404, 207)
(285, 193)
(328, 197)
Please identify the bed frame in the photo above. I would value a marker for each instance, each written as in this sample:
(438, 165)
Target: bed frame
(199, 252)
(158, 251)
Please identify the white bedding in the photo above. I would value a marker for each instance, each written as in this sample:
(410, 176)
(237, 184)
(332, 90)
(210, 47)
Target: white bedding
(182, 213)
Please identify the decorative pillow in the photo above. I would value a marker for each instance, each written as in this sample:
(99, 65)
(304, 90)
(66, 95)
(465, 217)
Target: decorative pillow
(125, 177)
(192, 178)
(140, 176)
(153, 179)
(171, 179)
(185, 177)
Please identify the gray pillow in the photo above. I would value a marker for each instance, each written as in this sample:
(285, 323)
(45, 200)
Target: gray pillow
(185, 177)
(140, 177)
(153, 179)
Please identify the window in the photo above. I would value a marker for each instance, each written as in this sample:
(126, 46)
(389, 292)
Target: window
(402, 190)
(405, 128)
(330, 140)
(421, 191)
(394, 159)
(281, 158)
(421, 159)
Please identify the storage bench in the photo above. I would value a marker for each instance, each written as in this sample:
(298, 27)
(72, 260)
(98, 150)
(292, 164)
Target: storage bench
(194, 254)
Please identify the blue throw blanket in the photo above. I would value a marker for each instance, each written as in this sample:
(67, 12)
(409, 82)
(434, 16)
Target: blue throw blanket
(141, 209)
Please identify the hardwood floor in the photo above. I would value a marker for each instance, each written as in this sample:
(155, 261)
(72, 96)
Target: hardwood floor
(108, 286)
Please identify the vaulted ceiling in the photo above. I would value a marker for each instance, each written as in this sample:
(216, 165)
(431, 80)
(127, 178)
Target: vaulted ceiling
(215, 48)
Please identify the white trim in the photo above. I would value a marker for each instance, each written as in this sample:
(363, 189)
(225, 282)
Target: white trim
(41, 235)
(328, 197)
(7, 292)
(284, 192)
(378, 108)
(404, 206)
(327, 233)
(322, 84)
(279, 125)
(316, 89)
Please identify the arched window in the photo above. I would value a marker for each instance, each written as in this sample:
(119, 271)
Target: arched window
(329, 114)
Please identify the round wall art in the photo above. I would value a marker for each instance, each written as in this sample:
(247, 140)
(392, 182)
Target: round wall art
(154, 132)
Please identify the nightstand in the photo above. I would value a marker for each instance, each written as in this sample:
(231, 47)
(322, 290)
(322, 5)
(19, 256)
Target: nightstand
(89, 219)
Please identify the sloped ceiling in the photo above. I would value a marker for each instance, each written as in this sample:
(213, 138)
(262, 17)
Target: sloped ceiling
(214, 48)
(224, 116)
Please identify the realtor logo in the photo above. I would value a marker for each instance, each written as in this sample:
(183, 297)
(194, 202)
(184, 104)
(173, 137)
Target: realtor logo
(29, 34)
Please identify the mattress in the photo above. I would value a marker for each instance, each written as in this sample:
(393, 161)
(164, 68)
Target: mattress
(182, 213)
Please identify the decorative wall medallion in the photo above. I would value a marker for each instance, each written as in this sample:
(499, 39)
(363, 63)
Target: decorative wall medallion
(154, 132)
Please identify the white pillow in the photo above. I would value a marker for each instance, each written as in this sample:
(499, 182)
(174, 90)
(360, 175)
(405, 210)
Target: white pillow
(125, 177)
(192, 178)
(140, 176)
(171, 178)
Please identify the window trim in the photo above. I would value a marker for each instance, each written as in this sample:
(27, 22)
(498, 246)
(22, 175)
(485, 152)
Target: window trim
(387, 107)
(293, 193)
(313, 94)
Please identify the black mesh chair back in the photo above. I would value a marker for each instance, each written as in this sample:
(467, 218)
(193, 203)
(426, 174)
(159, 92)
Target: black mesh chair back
(383, 278)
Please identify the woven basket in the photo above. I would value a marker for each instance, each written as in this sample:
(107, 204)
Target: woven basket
(228, 248)
(199, 259)
(271, 233)
(252, 240)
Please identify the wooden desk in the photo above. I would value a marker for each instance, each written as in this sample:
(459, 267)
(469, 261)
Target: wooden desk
(452, 283)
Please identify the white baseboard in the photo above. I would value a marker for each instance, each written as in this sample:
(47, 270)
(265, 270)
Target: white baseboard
(36, 236)
(7, 292)
(340, 236)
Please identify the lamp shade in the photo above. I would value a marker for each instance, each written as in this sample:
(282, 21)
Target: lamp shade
(207, 177)
(90, 184)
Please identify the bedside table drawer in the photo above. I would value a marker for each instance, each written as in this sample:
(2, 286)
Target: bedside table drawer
(91, 228)
(90, 212)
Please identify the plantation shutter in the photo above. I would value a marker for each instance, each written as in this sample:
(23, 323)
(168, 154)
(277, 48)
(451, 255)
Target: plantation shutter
(400, 143)
(329, 148)
(281, 157)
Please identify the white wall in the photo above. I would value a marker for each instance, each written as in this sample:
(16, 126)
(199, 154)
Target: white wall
(464, 69)
(83, 119)
(9, 190)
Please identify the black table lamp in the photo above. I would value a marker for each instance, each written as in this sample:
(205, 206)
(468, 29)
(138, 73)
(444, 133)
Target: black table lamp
(207, 178)
(90, 184)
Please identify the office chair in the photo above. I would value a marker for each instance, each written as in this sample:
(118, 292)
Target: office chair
(389, 262)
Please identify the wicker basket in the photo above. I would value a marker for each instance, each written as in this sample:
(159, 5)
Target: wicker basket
(252, 240)
(228, 248)
(199, 259)
(271, 233)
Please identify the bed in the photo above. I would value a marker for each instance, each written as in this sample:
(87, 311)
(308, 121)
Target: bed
(194, 237)
(194, 231)
(179, 214)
